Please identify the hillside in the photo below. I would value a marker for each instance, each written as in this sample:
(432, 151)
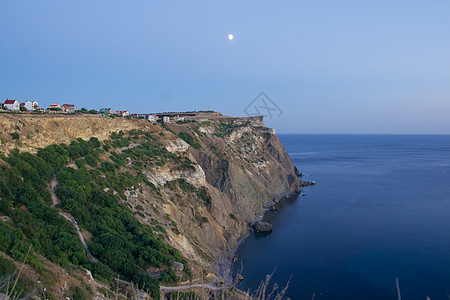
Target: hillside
(155, 204)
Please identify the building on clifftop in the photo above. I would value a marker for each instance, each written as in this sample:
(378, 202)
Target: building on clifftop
(11, 104)
(152, 118)
(123, 113)
(69, 108)
(54, 108)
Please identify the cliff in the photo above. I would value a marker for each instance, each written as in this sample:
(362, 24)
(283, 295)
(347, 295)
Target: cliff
(196, 184)
(28, 132)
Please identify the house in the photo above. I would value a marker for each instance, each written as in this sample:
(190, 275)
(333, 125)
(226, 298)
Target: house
(31, 105)
(178, 118)
(54, 106)
(123, 113)
(12, 104)
(106, 111)
(152, 118)
(69, 108)
(166, 119)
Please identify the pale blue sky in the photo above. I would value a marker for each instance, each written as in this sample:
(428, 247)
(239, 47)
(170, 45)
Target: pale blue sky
(331, 66)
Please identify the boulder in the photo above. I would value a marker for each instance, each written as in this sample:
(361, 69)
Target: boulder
(178, 266)
(261, 226)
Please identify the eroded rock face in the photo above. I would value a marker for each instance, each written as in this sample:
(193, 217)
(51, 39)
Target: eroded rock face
(244, 169)
(177, 145)
(161, 175)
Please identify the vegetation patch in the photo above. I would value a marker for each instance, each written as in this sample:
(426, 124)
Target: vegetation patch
(122, 244)
(188, 138)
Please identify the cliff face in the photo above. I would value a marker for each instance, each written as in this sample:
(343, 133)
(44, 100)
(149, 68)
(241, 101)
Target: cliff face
(245, 168)
(240, 166)
(38, 131)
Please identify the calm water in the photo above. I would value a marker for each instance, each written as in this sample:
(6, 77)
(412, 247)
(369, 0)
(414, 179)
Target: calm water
(380, 210)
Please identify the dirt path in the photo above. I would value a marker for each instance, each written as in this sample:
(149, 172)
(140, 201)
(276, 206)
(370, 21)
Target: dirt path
(131, 146)
(68, 217)
(53, 184)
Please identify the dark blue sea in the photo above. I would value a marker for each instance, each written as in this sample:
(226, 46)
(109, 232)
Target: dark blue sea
(380, 210)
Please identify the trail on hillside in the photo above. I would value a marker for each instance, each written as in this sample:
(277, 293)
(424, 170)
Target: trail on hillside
(53, 184)
(68, 217)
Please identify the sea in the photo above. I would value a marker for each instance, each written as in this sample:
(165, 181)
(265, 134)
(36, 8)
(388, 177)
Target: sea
(379, 214)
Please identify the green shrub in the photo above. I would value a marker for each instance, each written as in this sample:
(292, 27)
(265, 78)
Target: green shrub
(91, 160)
(233, 217)
(7, 267)
(14, 135)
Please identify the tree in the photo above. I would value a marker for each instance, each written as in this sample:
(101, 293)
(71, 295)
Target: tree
(23, 108)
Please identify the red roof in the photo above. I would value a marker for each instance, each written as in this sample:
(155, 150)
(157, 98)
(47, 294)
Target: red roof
(68, 105)
(22, 104)
(10, 101)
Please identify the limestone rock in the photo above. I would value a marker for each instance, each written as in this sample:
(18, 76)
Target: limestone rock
(177, 145)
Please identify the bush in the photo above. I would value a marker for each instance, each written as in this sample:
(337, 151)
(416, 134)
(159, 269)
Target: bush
(91, 160)
(233, 217)
(94, 142)
(15, 135)
(203, 194)
(6, 267)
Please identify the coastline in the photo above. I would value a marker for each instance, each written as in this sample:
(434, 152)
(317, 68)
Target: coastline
(224, 265)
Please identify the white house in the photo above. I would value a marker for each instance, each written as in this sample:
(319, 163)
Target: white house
(12, 104)
(31, 105)
(166, 119)
(152, 118)
(178, 118)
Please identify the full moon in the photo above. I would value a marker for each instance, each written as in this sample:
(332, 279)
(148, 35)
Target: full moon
(230, 36)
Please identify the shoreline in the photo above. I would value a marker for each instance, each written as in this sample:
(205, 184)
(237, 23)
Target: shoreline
(224, 265)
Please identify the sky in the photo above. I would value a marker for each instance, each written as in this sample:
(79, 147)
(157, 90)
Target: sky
(323, 66)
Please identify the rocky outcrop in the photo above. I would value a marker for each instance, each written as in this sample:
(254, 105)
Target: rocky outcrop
(159, 176)
(260, 226)
(177, 145)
